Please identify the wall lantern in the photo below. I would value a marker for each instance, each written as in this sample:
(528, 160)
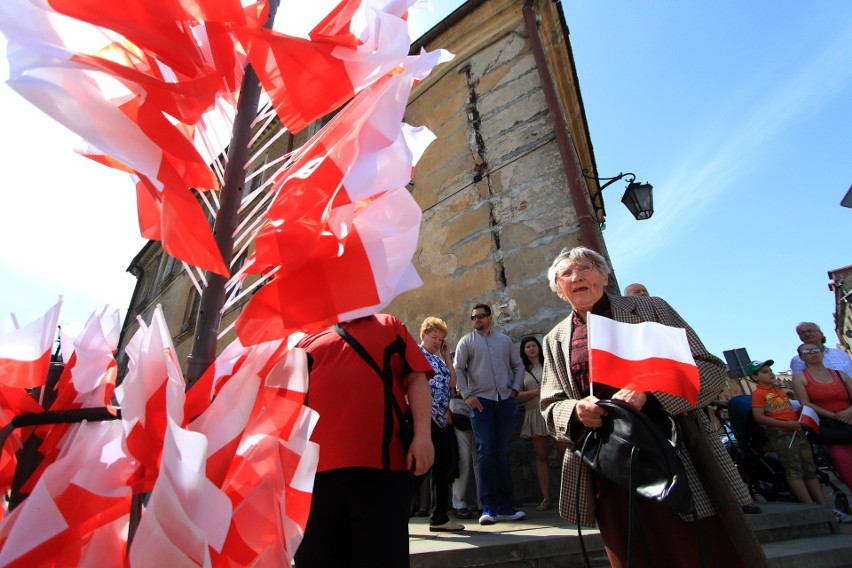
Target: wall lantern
(638, 197)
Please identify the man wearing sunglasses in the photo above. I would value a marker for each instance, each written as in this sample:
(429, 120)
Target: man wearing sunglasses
(489, 374)
(836, 359)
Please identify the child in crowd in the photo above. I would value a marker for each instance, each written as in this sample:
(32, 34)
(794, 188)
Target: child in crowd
(771, 407)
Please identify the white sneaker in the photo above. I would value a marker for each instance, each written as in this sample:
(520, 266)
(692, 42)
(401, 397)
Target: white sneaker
(487, 518)
(842, 517)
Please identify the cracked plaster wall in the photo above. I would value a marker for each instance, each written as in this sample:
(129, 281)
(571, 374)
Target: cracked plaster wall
(495, 201)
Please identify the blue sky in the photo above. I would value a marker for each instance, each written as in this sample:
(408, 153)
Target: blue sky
(739, 114)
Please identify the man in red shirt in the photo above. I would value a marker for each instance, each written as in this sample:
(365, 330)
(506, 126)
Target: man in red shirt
(360, 505)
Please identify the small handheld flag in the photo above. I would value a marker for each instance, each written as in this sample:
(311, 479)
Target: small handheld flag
(645, 356)
(809, 419)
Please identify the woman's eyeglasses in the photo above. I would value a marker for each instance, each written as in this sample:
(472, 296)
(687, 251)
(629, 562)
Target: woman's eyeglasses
(580, 270)
(809, 351)
(478, 316)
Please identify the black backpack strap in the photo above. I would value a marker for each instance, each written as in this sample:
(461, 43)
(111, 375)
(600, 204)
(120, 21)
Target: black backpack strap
(389, 399)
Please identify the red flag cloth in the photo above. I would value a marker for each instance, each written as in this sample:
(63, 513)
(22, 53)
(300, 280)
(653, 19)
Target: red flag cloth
(271, 476)
(645, 357)
(809, 419)
(357, 43)
(72, 510)
(87, 380)
(152, 373)
(25, 352)
(343, 252)
(136, 99)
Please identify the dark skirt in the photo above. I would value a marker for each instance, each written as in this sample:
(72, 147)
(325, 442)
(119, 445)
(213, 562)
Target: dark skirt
(669, 540)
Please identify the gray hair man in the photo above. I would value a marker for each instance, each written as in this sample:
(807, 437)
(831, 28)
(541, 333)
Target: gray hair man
(836, 359)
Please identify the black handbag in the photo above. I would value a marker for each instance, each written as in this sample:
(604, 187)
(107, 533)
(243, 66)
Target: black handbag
(462, 422)
(639, 452)
(834, 432)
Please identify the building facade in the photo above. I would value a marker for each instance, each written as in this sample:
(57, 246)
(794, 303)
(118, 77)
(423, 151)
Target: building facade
(840, 282)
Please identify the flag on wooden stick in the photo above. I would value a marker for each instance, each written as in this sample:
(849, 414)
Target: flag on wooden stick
(645, 357)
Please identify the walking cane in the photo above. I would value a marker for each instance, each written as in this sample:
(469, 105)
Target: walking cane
(721, 496)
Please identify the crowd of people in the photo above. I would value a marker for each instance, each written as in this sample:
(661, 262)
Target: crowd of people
(821, 381)
(462, 408)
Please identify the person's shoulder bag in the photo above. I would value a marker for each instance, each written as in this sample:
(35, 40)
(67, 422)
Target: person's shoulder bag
(833, 431)
(404, 418)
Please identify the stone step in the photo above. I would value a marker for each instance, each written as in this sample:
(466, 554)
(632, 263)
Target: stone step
(826, 551)
(793, 536)
(785, 521)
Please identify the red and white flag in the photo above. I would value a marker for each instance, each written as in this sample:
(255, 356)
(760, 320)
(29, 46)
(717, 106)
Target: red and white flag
(25, 352)
(356, 44)
(645, 356)
(810, 419)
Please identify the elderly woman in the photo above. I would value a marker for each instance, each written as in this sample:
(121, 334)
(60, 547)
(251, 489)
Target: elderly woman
(828, 392)
(580, 276)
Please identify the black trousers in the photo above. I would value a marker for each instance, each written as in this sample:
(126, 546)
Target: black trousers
(440, 473)
(358, 519)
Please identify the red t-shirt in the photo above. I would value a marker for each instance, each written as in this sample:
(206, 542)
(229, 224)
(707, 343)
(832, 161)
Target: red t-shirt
(349, 395)
(774, 402)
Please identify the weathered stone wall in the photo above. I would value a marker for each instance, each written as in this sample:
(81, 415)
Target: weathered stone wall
(493, 190)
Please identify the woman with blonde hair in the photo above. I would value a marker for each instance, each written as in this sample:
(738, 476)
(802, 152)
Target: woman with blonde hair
(433, 334)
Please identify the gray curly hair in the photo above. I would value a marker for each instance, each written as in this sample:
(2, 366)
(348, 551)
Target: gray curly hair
(573, 255)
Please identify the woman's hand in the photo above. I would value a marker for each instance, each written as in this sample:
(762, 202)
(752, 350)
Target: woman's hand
(588, 413)
(421, 454)
(636, 399)
(844, 416)
(445, 352)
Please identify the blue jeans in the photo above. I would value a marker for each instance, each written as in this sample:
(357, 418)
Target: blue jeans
(492, 429)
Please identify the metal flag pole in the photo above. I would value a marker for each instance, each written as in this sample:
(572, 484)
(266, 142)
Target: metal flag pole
(213, 297)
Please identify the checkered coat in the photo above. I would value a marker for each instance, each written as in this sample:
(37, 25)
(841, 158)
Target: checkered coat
(560, 394)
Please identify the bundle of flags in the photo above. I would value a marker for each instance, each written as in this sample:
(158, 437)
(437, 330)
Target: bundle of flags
(229, 466)
(648, 357)
(152, 88)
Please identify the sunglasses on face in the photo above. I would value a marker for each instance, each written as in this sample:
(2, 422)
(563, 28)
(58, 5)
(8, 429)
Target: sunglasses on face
(809, 351)
(478, 316)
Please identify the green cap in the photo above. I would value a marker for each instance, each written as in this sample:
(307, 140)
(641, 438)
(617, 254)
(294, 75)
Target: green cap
(755, 366)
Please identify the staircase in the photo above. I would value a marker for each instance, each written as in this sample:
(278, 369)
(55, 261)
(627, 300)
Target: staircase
(793, 536)
(802, 536)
